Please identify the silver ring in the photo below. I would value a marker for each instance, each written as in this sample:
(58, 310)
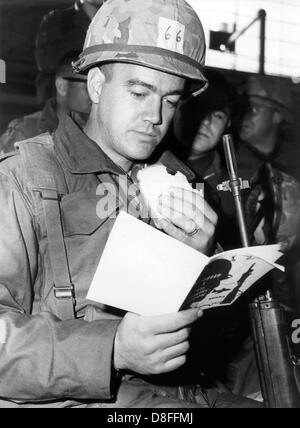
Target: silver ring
(194, 232)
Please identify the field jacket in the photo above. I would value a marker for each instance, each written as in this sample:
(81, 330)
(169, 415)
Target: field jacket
(45, 358)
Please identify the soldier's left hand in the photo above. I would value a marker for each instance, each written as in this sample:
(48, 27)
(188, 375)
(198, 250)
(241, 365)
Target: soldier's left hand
(188, 218)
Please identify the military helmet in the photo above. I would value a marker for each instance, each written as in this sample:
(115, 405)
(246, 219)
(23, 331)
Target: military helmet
(60, 32)
(165, 35)
(270, 92)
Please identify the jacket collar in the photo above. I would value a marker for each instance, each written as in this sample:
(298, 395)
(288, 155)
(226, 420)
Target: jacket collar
(78, 153)
(49, 115)
(81, 155)
(174, 164)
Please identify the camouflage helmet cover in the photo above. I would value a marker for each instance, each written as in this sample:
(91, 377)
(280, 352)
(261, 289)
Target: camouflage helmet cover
(166, 35)
(270, 92)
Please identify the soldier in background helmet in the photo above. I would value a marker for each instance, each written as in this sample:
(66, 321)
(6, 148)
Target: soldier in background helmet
(269, 116)
(141, 57)
(273, 205)
(61, 31)
(70, 95)
(60, 38)
(268, 126)
(199, 125)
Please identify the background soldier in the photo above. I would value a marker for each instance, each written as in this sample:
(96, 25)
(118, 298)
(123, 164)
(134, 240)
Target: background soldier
(273, 205)
(199, 125)
(61, 31)
(70, 95)
(59, 40)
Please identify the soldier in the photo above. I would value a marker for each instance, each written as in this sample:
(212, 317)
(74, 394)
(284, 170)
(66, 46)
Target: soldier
(61, 31)
(55, 349)
(70, 94)
(60, 36)
(264, 127)
(199, 125)
(273, 205)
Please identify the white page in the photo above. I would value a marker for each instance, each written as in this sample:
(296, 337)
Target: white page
(268, 253)
(144, 271)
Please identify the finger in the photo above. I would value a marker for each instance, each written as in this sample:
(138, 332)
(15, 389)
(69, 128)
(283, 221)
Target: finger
(183, 191)
(173, 230)
(179, 206)
(172, 365)
(200, 241)
(168, 340)
(176, 351)
(196, 198)
(174, 322)
(182, 222)
(187, 211)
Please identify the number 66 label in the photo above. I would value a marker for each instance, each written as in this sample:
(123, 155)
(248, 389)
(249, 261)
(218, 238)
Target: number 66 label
(171, 35)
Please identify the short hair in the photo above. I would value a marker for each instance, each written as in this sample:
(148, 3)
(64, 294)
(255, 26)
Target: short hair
(220, 96)
(108, 71)
(65, 65)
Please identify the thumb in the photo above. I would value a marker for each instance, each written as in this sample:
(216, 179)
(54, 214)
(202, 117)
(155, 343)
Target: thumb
(171, 323)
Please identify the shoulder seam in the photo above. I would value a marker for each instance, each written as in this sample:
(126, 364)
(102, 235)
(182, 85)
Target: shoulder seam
(18, 188)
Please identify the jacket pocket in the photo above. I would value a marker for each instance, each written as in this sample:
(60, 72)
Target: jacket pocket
(84, 213)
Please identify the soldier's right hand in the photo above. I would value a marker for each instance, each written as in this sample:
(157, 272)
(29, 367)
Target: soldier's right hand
(153, 345)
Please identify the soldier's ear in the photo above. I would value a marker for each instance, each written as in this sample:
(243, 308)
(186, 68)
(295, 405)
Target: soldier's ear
(61, 85)
(95, 82)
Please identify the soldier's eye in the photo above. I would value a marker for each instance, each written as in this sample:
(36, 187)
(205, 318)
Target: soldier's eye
(172, 104)
(220, 116)
(139, 95)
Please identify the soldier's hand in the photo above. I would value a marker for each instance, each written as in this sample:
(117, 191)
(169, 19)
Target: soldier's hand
(153, 345)
(189, 219)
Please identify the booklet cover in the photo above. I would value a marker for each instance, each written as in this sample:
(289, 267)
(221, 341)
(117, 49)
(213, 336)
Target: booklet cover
(145, 271)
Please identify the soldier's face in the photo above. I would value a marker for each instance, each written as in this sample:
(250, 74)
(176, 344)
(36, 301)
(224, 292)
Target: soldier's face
(209, 133)
(257, 127)
(135, 110)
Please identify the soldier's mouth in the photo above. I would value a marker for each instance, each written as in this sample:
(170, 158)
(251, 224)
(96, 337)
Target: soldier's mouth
(148, 137)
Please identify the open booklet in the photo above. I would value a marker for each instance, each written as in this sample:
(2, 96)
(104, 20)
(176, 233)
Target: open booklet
(145, 271)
